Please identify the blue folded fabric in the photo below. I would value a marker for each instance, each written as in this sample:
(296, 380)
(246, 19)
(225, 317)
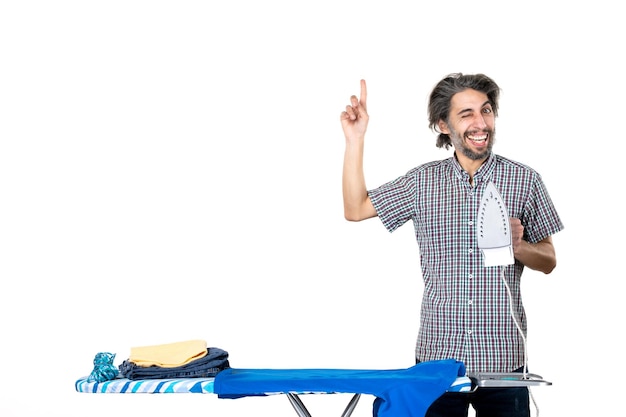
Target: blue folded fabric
(399, 392)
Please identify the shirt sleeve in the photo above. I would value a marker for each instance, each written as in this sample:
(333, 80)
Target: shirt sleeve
(395, 201)
(540, 216)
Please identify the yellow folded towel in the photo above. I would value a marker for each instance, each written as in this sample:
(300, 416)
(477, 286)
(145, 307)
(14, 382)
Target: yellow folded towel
(169, 355)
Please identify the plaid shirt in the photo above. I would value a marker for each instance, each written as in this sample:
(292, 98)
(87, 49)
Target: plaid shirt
(465, 308)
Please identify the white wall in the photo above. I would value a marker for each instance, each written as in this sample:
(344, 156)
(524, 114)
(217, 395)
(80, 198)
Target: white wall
(170, 170)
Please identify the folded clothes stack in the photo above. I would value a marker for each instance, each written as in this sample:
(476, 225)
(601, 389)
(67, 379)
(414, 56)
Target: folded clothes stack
(188, 359)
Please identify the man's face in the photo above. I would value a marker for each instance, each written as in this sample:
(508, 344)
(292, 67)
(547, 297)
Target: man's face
(471, 125)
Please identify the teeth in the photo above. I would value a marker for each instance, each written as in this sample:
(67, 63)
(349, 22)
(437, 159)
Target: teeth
(478, 138)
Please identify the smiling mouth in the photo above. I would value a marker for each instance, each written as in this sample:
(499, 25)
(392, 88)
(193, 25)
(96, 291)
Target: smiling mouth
(478, 138)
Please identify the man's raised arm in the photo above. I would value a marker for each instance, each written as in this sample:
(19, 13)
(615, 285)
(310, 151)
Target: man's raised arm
(356, 203)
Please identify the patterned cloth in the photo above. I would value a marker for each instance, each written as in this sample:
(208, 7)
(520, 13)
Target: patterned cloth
(465, 308)
(103, 369)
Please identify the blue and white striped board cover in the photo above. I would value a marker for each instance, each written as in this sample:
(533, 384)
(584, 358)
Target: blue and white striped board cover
(147, 386)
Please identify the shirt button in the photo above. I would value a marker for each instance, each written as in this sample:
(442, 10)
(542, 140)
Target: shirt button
(470, 251)
(470, 276)
(470, 222)
(469, 332)
(470, 302)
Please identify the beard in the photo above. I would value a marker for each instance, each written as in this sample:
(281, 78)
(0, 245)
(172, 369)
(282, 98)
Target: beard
(459, 143)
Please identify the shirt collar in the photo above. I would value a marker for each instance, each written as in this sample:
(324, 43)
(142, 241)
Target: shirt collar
(482, 175)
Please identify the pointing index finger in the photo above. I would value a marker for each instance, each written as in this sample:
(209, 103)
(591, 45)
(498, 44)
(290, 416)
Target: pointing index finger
(363, 98)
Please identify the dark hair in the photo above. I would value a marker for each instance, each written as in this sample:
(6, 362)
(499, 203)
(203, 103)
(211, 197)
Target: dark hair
(441, 96)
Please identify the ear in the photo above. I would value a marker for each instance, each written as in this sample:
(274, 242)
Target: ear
(443, 127)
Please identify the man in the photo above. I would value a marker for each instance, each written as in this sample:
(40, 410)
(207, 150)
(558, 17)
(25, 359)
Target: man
(470, 312)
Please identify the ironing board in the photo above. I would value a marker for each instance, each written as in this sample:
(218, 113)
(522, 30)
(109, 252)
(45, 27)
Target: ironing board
(422, 384)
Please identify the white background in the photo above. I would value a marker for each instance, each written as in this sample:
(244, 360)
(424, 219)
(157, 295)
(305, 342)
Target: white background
(171, 170)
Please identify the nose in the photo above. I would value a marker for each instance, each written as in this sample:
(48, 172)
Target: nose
(479, 121)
